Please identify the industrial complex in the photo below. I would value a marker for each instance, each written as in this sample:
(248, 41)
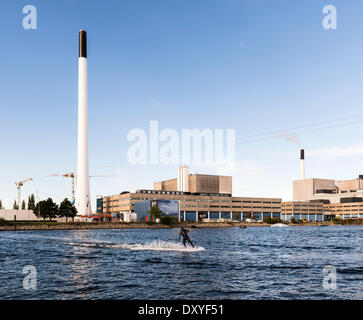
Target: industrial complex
(202, 197)
(324, 199)
(197, 197)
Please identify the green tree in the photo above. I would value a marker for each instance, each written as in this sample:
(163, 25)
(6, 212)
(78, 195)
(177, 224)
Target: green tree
(23, 205)
(47, 209)
(36, 209)
(272, 220)
(1, 204)
(15, 205)
(66, 209)
(293, 220)
(155, 212)
(238, 216)
(31, 202)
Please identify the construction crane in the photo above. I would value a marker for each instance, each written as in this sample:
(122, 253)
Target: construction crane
(19, 184)
(72, 175)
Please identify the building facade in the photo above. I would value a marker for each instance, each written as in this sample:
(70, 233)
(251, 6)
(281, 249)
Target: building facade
(349, 210)
(302, 210)
(197, 183)
(342, 198)
(196, 207)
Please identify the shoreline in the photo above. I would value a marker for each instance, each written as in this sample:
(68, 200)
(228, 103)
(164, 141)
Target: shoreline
(36, 226)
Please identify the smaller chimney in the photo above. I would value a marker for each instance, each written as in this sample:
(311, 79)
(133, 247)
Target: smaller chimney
(302, 164)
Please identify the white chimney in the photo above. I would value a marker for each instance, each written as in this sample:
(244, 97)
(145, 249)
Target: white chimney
(83, 199)
(302, 164)
(183, 179)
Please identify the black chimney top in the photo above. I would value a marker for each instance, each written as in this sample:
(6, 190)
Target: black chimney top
(302, 155)
(82, 44)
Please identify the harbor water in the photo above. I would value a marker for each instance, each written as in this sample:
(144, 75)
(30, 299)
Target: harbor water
(227, 263)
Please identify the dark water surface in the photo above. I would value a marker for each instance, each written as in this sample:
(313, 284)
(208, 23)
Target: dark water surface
(229, 263)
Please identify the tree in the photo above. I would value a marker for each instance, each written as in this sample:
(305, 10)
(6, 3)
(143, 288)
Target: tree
(23, 205)
(270, 220)
(31, 202)
(15, 205)
(1, 204)
(36, 209)
(155, 212)
(47, 209)
(66, 209)
(293, 220)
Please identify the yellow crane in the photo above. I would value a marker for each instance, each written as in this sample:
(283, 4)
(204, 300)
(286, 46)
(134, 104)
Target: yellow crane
(19, 184)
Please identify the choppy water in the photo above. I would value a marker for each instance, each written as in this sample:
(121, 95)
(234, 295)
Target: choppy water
(227, 263)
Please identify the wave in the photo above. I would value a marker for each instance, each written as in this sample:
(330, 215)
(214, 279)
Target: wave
(158, 245)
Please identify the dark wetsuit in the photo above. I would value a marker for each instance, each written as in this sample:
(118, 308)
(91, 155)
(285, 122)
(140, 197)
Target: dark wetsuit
(184, 234)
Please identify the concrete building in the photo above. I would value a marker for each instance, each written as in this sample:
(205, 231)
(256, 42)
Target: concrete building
(209, 197)
(313, 189)
(302, 210)
(343, 198)
(195, 207)
(349, 210)
(199, 183)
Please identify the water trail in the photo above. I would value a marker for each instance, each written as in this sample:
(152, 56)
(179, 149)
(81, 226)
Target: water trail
(158, 245)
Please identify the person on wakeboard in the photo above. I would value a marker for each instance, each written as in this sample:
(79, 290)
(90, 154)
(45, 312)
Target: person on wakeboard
(184, 234)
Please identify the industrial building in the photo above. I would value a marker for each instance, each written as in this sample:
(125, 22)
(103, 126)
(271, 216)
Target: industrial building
(339, 198)
(197, 183)
(302, 210)
(200, 197)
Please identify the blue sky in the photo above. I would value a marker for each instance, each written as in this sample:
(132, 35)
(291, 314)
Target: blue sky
(254, 66)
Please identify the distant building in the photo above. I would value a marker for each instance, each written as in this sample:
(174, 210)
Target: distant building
(197, 183)
(327, 198)
(195, 207)
(302, 210)
(341, 198)
(209, 197)
(345, 210)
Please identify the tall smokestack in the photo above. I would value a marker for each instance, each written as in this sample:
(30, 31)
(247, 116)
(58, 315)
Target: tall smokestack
(302, 164)
(83, 200)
